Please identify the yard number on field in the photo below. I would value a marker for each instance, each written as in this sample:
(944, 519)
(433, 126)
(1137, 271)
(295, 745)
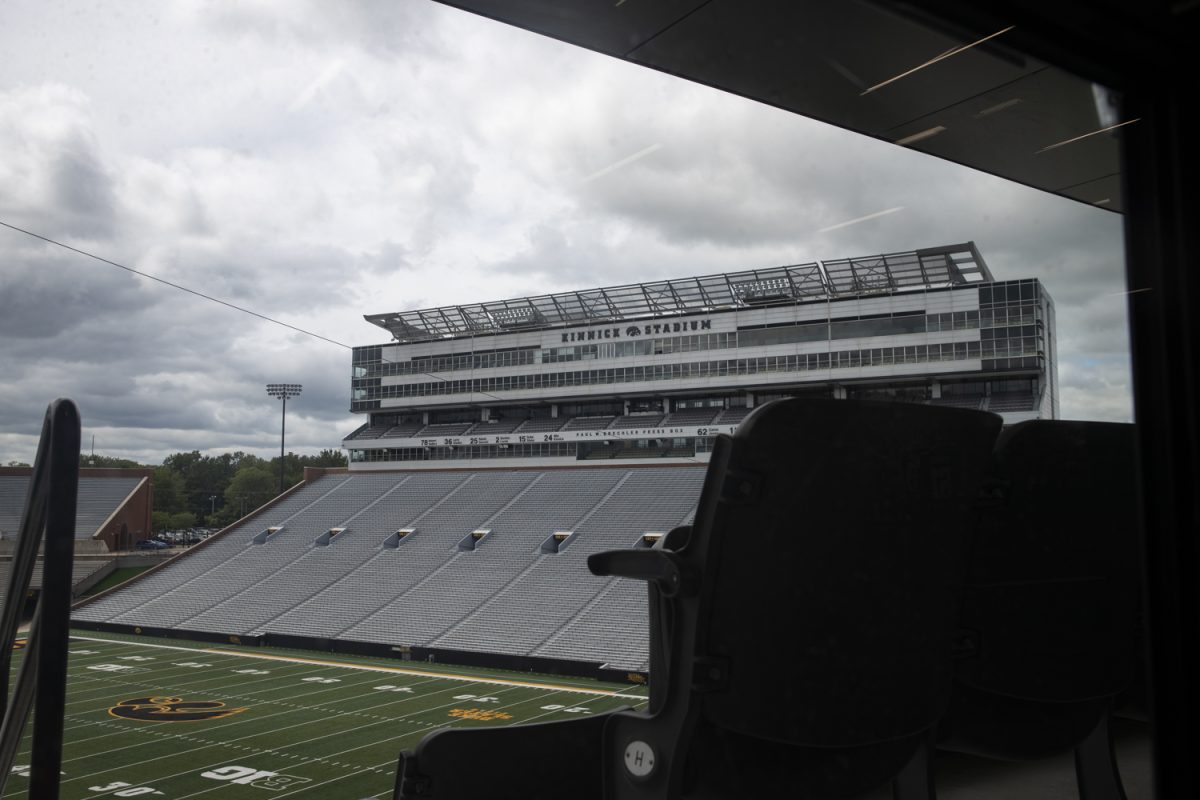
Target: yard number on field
(258, 778)
(118, 788)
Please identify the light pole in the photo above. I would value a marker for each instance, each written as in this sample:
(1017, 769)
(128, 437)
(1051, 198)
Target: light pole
(283, 391)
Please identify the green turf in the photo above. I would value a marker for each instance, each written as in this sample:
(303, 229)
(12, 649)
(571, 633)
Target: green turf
(115, 577)
(323, 729)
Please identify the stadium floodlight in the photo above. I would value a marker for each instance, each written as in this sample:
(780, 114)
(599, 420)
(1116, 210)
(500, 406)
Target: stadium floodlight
(283, 391)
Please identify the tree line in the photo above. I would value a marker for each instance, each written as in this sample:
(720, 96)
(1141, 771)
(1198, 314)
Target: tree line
(193, 490)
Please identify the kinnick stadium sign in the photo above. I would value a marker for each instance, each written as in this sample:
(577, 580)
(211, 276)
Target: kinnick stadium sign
(633, 331)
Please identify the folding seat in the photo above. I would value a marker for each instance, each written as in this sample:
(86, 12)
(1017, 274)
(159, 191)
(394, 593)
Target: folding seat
(801, 632)
(1050, 612)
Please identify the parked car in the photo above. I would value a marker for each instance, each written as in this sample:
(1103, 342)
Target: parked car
(151, 544)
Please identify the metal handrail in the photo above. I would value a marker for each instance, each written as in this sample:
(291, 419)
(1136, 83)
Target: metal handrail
(42, 680)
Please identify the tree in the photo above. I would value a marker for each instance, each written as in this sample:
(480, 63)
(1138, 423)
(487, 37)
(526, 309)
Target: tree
(184, 519)
(112, 462)
(293, 470)
(161, 521)
(168, 490)
(204, 477)
(327, 458)
(250, 488)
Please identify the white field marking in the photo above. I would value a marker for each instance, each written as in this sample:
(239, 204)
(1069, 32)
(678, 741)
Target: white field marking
(390, 670)
(449, 723)
(372, 743)
(272, 732)
(326, 758)
(255, 700)
(104, 681)
(181, 689)
(298, 708)
(275, 731)
(177, 686)
(164, 669)
(392, 762)
(244, 698)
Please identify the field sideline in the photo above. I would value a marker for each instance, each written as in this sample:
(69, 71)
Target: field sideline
(158, 718)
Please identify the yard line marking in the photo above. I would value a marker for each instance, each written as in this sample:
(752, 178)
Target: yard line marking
(393, 670)
(273, 732)
(372, 743)
(276, 731)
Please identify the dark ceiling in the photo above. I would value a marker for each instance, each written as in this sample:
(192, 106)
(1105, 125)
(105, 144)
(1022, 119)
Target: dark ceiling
(987, 107)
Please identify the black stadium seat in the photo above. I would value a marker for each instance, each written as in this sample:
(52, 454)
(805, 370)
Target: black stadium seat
(1050, 611)
(801, 631)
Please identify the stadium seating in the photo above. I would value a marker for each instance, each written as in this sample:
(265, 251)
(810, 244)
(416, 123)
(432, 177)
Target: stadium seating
(1011, 402)
(402, 430)
(444, 429)
(1050, 613)
(637, 421)
(589, 423)
(496, 426)
(731, 416)
(505, 596)
(837, 573)
(541, 425)
(98, 497)
(691, 416)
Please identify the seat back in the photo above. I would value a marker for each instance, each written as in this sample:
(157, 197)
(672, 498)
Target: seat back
(808, 638)
(1054, 579)
(1050, 611)
(837, 548)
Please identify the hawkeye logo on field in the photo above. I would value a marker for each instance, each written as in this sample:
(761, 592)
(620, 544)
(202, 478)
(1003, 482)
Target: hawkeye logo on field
(171, 709)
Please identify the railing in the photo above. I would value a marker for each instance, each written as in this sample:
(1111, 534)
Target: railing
(42, 680)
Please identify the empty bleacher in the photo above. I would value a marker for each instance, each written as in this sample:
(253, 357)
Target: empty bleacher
(958, 402)
(691, 416)
(496, 426)
(1011, 402)
(444, 429)
(540, 425)
(402, 430)
(638, 421)
(588, 423)
(557, 588)
(731, 416)
(505, 596)
(98, 498)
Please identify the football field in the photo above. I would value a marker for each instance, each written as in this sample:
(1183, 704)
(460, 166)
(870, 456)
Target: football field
(165, 718)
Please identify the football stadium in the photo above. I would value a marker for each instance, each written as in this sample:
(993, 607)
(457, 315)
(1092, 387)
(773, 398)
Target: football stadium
(503, 444)
(810, 530)
(507, 442)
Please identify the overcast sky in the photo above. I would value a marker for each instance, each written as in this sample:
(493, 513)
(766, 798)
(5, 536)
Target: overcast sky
(316, 161)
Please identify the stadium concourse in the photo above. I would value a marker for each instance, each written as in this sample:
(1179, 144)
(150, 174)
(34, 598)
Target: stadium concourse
(504, 442)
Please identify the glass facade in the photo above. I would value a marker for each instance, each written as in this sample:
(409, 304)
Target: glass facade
(799, 362)
(370, 363)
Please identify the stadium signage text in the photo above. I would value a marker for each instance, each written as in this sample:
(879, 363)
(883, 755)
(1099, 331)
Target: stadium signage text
(657, 432)
(633, 331)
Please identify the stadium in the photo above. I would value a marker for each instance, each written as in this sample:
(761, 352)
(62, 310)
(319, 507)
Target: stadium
(507, 441)
(451, 579)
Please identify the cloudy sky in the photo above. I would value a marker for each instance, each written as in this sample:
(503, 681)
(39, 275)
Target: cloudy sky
(316, 161)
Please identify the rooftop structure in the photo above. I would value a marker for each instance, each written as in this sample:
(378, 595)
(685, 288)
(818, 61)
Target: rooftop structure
(951, 265)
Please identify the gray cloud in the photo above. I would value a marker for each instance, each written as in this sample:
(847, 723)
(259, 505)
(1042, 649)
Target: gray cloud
(317, 162)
